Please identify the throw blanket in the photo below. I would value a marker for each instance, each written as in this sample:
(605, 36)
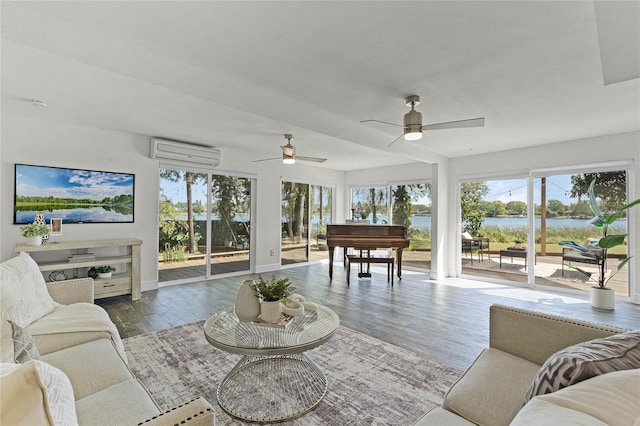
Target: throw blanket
(78, 317)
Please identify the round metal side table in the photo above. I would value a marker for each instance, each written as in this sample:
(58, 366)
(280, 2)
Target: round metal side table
(275, 380)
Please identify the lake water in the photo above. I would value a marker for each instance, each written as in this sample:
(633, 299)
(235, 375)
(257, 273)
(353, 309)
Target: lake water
(515, 222)
(97, 214)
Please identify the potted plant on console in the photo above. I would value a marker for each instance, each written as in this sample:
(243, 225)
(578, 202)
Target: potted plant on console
(272, 293)
(105, 271)
(601, 296)
(34, 232)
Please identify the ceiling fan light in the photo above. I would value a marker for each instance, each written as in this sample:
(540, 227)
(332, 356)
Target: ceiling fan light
(288, 159)
(413, 135)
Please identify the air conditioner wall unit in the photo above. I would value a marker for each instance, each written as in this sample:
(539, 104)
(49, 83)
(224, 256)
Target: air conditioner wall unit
(163, 149)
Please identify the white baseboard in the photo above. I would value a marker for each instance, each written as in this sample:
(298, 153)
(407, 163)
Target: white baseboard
(267, 268)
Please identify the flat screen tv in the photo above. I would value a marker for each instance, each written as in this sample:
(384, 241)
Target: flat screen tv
(75, 195)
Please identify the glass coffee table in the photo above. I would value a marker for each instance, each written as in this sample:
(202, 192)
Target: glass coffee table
(275, 380)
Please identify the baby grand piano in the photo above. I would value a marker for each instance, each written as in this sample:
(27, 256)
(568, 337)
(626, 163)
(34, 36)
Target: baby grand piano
(367, 237)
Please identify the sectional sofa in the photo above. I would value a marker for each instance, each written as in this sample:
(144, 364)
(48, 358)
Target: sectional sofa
(542, 369)
(63, 361)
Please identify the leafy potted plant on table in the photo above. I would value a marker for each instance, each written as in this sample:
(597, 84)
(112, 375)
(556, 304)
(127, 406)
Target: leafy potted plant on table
(34, 232)
(105, 271)
(601, 296)
(272, 293)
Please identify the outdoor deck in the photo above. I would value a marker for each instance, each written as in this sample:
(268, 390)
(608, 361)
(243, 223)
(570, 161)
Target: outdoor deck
(548, 268)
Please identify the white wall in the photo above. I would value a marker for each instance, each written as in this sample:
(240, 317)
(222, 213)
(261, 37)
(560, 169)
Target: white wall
(624, 146)
(51, 143)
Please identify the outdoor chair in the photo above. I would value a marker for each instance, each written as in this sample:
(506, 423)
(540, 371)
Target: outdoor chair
(570, 255)
(475, 244)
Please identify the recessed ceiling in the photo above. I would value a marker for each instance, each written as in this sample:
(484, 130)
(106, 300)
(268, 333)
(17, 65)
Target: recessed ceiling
(238, 75)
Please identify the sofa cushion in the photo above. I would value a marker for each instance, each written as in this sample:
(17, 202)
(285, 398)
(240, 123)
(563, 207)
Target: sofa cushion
(130, 399)
(496, 379)
(71, 325)
(91, 367)
(6, 342)
(35, 393)
(24, 348)
(585, 360)
(23, 293)
(607, 399)
(439, 416)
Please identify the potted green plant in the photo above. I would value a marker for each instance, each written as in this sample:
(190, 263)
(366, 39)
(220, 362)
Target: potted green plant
(601, 296)
(105, 271)
(34, 232)
(272, 293)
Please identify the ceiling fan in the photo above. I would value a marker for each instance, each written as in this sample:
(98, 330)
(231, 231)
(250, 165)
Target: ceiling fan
(289, 154)
(413, 122)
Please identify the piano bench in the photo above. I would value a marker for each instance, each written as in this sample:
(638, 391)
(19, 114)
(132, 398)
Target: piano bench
(389, 260)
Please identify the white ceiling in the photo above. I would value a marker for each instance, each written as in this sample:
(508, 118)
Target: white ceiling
(238, 75)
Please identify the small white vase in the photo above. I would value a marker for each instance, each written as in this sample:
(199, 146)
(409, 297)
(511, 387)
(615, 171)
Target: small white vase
(603, 298)
(270, 311)
(247, 303)
(104, 275)
(36, 240)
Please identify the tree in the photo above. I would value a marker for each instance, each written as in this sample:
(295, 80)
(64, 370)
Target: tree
(611, 187)
(581, 209)
(472, 216)
(372, 200)
(293, 202)
(189, 178)
(231, 194)
(516, 208)
(493, 208)
(555, 208)
(402, 197)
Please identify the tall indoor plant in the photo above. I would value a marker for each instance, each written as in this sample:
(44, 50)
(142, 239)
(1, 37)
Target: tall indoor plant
(601, 296)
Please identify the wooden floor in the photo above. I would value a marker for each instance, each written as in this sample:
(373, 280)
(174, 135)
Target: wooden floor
(445, 321)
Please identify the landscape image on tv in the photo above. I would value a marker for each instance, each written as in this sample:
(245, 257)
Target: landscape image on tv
(76, 196)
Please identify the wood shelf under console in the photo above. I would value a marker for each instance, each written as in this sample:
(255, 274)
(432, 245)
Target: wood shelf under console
(126, 282)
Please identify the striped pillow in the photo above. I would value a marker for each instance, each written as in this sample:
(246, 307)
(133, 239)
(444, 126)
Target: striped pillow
(585, 360)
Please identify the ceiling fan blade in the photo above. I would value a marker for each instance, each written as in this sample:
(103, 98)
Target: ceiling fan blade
(312, 159)
(473, 122)
(383, 122)
(267, 159)
(394, 141)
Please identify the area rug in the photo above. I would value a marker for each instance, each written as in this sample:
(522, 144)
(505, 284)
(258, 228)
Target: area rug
(371, 382)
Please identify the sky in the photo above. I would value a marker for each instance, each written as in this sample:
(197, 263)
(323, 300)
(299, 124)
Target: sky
(558, 188)
(71, 183)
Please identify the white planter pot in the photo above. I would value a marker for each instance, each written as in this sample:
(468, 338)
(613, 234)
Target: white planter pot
(603, 298)
(247, 303)
(34, 241)
(104, 275)
(270, 311)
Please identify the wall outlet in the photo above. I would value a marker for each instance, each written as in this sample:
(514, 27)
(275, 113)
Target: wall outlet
(272, 252)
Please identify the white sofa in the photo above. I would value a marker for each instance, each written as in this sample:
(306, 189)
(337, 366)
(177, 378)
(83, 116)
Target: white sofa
(77, 372)
(523, 344)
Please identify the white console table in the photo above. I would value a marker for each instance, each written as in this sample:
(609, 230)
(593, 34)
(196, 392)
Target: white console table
(122, 282)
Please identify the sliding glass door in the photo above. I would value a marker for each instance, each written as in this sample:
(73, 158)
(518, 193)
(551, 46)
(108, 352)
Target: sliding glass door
(306, 211)
(494, 229)
(563, 213)
(204, 225)
(554, 204)
(411, 207)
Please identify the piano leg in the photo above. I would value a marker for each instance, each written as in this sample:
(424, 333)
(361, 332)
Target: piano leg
(331, 250)
(399, 251)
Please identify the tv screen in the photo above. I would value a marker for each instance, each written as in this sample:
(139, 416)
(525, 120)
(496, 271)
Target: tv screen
(75, 195)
